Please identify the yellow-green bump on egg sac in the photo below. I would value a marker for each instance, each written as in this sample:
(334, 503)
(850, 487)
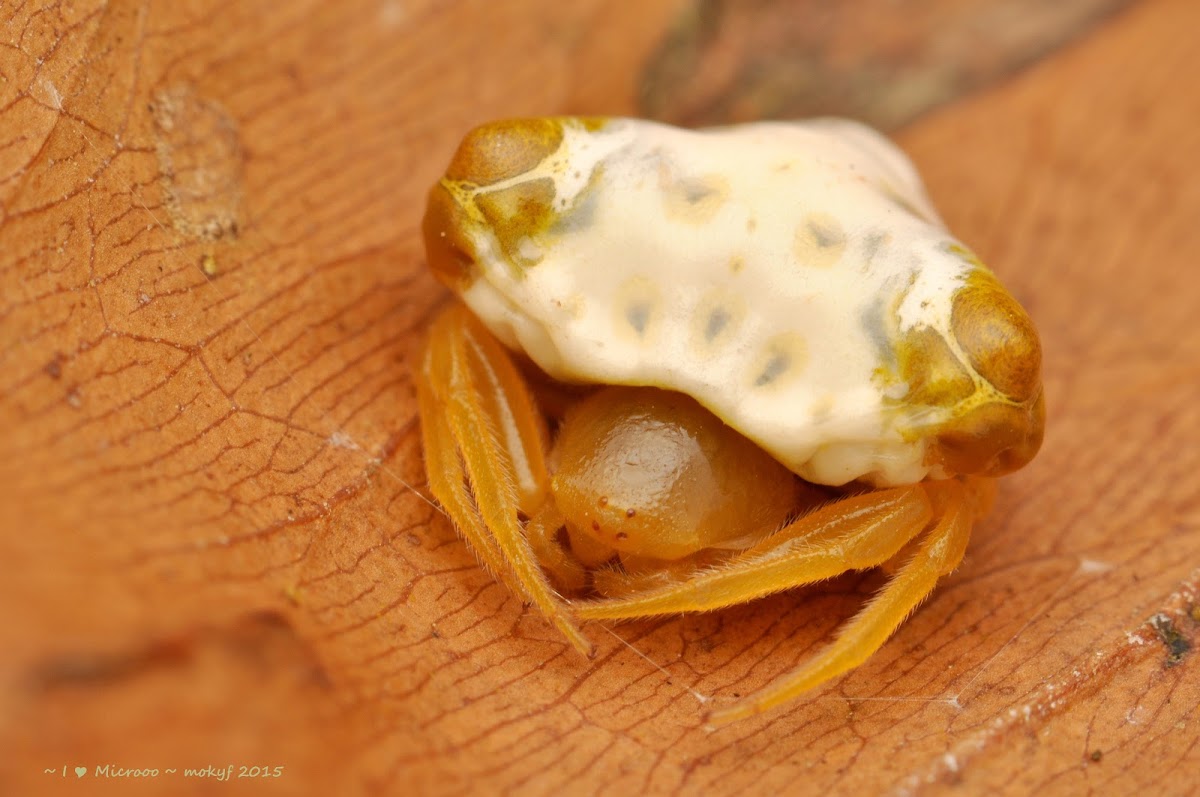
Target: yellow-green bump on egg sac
(491, 154)
(979, 382)
(448, 247)
(501, 150)
(996, 334)
(790, 276)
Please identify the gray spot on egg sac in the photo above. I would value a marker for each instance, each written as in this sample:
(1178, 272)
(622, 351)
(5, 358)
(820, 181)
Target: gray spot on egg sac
(872, 243)
(638, 315)
(776, 366)
(824, 234)
(578, 217)
(874, 326)
(718, 319)
(695, 191)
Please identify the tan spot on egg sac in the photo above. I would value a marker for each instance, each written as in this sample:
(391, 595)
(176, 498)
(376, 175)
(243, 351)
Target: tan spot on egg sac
(574, 305)
(820, 241)
(822, 408)
(715, 321)
(781, 360)
(638, 303)
(692, 199)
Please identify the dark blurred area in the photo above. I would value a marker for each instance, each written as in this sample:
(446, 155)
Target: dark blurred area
(881, 62)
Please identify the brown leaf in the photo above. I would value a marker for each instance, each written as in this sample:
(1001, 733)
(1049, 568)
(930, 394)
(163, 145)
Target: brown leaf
(218, 550)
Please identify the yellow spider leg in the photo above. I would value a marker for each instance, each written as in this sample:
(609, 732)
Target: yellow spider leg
(508, 404)
(639, 575)
(939, 553)
(565, 570)
(851, 534)
(482, 404)
(447, 482)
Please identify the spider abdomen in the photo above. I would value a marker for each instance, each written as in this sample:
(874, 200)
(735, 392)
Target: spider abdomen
(650, 471)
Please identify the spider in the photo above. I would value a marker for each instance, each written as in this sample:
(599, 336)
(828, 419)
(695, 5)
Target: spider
(693, 368)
